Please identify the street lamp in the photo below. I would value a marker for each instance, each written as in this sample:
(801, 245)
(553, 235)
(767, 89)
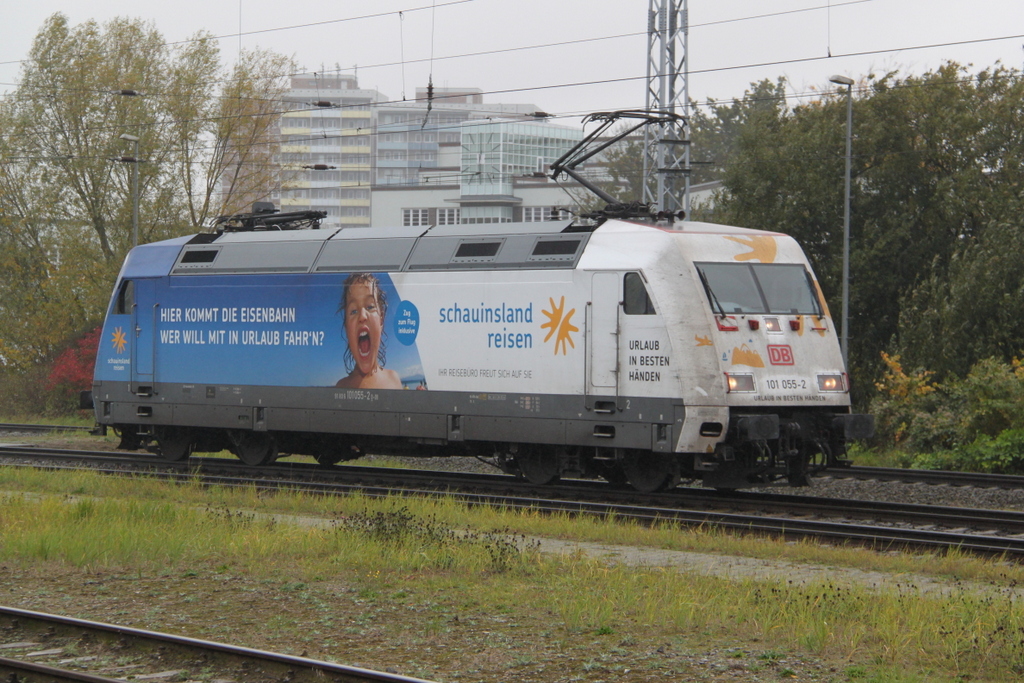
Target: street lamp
(135, 186)
(844, 334)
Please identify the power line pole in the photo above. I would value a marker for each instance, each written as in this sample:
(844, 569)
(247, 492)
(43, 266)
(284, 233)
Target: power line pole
(667, 147)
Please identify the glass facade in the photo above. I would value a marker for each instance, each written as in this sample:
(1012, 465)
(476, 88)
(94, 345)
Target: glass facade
(408, 143)
(493, 154)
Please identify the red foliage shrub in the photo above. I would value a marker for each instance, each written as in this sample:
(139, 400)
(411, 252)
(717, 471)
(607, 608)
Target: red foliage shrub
(73, 368)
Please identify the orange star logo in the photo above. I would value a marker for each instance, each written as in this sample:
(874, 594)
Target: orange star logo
(762, 248)
(119, 340)
(560, 325)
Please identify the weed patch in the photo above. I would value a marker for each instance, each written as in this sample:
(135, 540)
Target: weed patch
(401, 531)
(424, 574)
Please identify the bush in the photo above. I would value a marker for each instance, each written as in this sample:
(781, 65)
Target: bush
(911, 411)
(974, 423)
(991, 398)
(73, 369)
(23, 391)
(1002, 454)
(50, 390)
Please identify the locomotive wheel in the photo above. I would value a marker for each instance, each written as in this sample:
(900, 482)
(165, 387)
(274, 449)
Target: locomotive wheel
(797, 471)
(253, 448)
(332, 452)
(539, 467)
(328, 458)
(130, 440)
(648, 472)
(612, 473)
(173, 443)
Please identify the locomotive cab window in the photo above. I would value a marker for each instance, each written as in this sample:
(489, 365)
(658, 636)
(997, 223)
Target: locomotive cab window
(125, 298)
(636, 300)
(742, 288)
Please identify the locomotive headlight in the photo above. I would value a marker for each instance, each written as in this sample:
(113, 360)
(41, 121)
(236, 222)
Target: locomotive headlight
(832, 382)
(739, 382)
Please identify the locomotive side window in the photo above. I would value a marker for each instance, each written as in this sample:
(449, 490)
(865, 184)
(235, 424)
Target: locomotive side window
(199, 256)
(556, 248)
(477, 249)
(125, 298)
(636, 300)
(783, 288)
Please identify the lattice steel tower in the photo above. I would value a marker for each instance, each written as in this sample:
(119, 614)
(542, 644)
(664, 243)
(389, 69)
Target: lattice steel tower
(667, 146)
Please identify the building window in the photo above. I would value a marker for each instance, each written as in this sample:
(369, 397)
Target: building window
(415, 217)
(447, 216)
(533, 214)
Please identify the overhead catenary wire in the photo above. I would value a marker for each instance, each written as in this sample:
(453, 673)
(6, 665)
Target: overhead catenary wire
(600, 81)
(592, 82)
(710, 70)
(563, 115)
(325, 22)
(401, 43)
(478, 53)
(443, 127)
(430, 77)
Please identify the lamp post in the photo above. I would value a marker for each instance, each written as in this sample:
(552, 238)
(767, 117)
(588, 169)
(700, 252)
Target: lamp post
(844, 334)
(134, 160)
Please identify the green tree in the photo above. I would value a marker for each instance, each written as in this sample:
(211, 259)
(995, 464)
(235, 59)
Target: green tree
(715, 128)
(65, 202)
(625, 164)
(971, 310)
(936, 163)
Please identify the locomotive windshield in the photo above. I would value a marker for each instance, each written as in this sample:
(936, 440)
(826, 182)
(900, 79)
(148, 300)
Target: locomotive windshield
(781, 288)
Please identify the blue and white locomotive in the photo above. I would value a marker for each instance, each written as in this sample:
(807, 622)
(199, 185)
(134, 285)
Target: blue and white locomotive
(623, 349)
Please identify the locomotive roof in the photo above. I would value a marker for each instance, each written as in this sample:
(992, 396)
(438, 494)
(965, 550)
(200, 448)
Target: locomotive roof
(507, 246)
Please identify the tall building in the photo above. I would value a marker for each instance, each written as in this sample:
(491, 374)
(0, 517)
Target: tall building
(326, 153)
(447, 157)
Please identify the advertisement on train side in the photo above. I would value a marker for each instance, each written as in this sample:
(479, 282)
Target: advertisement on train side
(405, 331)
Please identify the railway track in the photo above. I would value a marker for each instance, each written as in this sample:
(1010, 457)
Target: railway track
(38, 429)
(875, 524)
(938, 477)
(888, 474)
(45, 648)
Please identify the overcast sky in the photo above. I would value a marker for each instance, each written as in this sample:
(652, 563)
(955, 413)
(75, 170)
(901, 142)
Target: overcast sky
(598, 45)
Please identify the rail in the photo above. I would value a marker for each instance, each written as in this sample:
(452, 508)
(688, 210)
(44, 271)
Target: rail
(877, 525)
(158, 656)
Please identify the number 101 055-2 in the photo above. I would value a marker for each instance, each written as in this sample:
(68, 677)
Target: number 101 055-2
(786, 383)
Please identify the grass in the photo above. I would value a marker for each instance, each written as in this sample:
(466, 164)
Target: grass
(81, 419)
(879, 456)
(435, 575)
(951, 565)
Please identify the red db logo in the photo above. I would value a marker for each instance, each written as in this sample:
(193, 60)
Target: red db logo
(780, 354)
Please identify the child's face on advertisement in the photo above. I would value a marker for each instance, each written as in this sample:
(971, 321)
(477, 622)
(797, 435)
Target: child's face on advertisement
(363, 325)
